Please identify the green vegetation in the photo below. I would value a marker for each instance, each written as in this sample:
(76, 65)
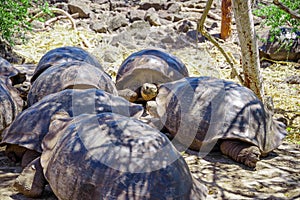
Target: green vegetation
(274, 17)
(14, 15)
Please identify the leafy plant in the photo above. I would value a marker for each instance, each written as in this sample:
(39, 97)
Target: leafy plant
(276, 18)
(14, 16)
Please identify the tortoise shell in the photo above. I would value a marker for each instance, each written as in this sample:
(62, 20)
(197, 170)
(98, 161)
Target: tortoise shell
(286, 46)
(11, 105)
(109, 156)
(75, 74)
(149, 66)
(61, 55)
(199, 111)
(30, 126)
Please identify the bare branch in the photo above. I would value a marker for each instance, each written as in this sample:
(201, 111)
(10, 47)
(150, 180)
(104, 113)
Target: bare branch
(281, 62)
(66, 15)
(59, 11)
(286, 9)
(200, 28)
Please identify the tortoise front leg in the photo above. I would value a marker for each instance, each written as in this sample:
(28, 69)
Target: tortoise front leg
(28, 157)
(241, 152)
(128, 94)
(31, 181)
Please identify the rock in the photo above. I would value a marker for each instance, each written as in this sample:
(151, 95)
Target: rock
(174, 7)
(58, 1)
(139, 30)
(79, 7)
(152, 17)
(294, 79)
(124, 39)
(185, 26)
(99, 27)
(183, 41)
(116, 4)
(167, 39)
(117, 21)
(195, 4)
(99, 7)
(6, 52)
(177, 18)
(166, 15)
(110, 56)
(156, 4)
(193, 36)
(135, 15)
(100, 1)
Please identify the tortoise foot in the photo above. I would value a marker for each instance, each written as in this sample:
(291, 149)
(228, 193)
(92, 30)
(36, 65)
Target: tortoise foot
(241, 152)
(31, 181)
(249, 156)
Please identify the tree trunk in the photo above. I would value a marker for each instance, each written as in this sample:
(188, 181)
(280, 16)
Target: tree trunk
(226, 19)
(248, 42)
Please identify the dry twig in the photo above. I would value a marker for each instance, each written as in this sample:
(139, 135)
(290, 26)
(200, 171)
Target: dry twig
(65, 15)
(280, 62)
(286, 9)
(59, 11)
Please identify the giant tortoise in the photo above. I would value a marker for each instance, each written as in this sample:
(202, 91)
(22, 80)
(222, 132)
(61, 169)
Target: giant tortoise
(30, 126)
(62, 55)
(74, 74)
(24, 136)
(201, 112)
(139, 74)
(110, 156)
(284, 46)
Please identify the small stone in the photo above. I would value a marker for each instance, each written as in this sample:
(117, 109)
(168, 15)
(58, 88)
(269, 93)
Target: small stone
(80, 8)
(117, 22)
(168, 39)
(152, 17)
(157, 5)
(99, 27)
(294, 79)
(135, 15)
(174, 7)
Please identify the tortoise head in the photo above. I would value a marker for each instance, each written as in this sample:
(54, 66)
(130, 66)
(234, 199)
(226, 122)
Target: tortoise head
(148, 91)
(59, 119)
(14, 152)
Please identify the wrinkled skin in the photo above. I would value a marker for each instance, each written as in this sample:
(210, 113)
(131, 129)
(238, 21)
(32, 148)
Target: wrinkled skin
(146, 92)
(31, 181)
(241, 152)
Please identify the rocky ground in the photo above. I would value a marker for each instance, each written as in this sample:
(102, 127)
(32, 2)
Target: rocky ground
(111, 30)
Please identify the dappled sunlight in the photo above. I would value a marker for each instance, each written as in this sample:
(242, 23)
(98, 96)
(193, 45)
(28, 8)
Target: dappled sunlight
(75, 102)
(60, 77)
(194, 114)
(61, 55)
(116, 157)
(277, 175)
